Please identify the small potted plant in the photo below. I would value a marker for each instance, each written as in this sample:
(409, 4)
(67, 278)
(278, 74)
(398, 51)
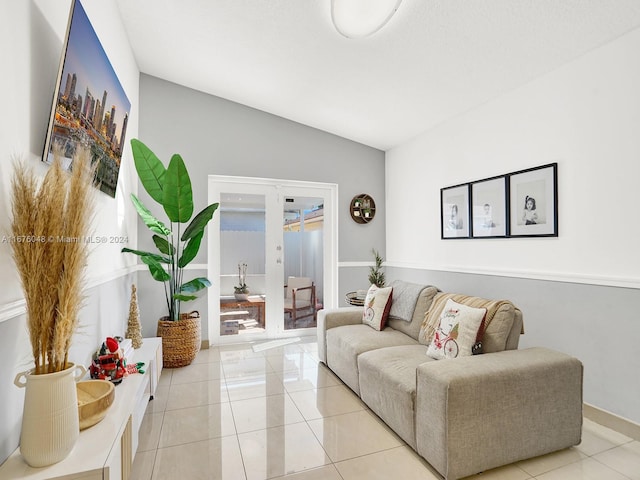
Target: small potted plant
(376, 275)
(241, 291)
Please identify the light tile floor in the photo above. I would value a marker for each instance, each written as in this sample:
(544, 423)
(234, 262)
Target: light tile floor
(278, 413)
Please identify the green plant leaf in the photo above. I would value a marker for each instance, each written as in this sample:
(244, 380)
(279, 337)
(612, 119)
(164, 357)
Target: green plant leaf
(149, 220)
(190, 250)
(199, 222)
(150, 169)
(177, 196)
(163, 245)
(195, 285)
(184, 298)
(140, 253)
(157, 272)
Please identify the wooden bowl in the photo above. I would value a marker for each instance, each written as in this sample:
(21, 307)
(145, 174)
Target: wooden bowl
(94, 399)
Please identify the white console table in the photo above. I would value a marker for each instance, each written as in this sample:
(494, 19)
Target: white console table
(106, 450)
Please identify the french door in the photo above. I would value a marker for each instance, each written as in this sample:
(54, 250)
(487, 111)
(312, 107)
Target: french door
(265, 232)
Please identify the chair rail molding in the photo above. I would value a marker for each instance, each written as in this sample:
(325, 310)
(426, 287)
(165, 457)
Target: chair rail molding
(564, 277)
(356, 264)
(16, 308)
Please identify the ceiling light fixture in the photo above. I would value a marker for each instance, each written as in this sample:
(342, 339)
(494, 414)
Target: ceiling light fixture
(361, 18)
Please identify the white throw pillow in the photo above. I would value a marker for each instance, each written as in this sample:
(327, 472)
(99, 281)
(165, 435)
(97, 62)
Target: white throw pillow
(376, 307)
(457, 331)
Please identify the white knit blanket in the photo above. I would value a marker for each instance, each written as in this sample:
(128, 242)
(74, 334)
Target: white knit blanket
(404, 298)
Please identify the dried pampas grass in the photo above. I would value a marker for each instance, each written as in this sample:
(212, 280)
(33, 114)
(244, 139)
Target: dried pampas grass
(49, 231)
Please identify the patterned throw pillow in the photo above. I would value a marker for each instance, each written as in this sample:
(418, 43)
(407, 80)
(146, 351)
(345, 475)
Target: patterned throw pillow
(376, 307)
(456, 332)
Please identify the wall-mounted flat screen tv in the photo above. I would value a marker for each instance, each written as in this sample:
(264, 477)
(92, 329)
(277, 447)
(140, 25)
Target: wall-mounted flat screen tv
(90, 108)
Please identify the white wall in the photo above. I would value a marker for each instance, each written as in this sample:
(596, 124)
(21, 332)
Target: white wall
(32, 34)
(585, 116)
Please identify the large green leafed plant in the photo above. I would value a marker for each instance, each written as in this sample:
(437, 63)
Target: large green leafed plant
(177, 244)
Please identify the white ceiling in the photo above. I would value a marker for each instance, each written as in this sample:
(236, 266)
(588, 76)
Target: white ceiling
(434, 60)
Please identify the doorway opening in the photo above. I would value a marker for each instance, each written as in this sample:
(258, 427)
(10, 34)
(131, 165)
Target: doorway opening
(272, 257)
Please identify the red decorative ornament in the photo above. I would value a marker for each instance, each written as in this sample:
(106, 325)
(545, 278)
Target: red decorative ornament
(112, 344)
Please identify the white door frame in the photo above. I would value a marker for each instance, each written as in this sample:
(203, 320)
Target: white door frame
(273, 258)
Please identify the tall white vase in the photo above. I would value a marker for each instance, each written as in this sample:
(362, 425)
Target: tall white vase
(50, 425)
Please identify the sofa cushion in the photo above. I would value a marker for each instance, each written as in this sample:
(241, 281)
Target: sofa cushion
(516, 330)
(345, 343)
(457, 331)
(376, 307)
(499, 320)
(481, 412)
(422, 306)
(498, 329)
(388, 385)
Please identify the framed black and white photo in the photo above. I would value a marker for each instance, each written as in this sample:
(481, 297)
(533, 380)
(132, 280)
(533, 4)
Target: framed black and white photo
(533, 202)
(454, 212)
(489, 212)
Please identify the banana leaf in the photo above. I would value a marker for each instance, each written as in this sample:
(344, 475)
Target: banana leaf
(191, 250)
(177, 196)
(199, 222)
(157, 272)
(150, 169)
(195, 285)
(149, 220)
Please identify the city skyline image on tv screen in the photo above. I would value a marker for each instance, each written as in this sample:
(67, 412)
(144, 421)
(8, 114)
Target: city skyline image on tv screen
(90, 107)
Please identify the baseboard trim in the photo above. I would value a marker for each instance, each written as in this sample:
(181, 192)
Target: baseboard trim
(612, 421)
(204, 345)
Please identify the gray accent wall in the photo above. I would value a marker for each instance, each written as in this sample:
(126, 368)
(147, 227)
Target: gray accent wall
(220, 137)
(352, 278)
(597, 324)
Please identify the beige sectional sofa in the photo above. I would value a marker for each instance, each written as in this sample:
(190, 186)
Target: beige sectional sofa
(463, 415)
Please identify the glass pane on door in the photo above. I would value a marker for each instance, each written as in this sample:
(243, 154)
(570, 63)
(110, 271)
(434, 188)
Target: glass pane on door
(242, 264)
(303, 224)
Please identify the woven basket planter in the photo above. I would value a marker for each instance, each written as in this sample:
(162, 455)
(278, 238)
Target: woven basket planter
(180, 340)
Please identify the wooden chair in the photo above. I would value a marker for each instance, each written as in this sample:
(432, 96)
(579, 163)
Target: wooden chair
(300, 298)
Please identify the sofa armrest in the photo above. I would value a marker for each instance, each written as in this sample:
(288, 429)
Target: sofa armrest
(331, 318)
(480, 412)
